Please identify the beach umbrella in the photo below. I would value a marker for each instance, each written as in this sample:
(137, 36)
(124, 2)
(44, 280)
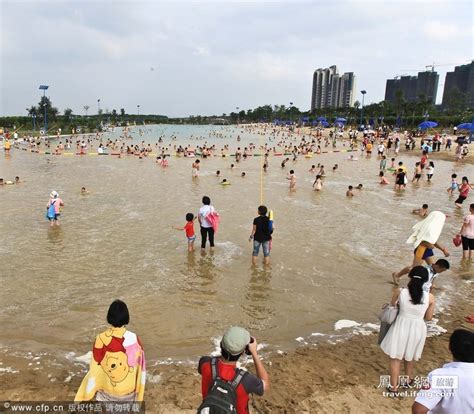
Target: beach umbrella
(305, 118)
(321, 118)
(341, 120)
(465, 125)
(338, 124)
(428, 124)
(325, 124)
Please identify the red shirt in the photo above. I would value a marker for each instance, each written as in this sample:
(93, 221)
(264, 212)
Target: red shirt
(250, 384)
(189, 227)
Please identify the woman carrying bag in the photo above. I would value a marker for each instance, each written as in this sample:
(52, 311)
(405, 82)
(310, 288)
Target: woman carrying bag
(406, 337)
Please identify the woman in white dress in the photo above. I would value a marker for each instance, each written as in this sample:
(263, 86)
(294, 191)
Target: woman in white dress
(406, 337)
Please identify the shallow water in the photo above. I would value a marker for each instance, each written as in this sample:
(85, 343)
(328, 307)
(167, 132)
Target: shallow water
(331, 257)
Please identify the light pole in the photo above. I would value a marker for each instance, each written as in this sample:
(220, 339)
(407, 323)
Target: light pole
(45, 118)
(138, 110)
(44, 88)
(238, 116)
(363, 92)
(291, 112)
(98, 106)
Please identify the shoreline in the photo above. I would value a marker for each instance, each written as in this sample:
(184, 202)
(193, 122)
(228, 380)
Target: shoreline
(311, 378)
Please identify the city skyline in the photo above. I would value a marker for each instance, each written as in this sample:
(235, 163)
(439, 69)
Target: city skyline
(332, 90)
(195, 58)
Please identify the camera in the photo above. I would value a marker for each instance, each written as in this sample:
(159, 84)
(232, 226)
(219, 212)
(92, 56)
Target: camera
(247, 351)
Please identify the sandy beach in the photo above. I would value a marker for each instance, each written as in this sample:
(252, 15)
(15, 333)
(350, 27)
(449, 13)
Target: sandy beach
(341, 378)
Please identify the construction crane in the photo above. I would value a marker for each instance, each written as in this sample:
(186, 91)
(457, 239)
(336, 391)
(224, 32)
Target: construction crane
(433, 66)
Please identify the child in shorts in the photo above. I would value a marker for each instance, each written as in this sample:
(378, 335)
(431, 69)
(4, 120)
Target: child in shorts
(454, 184)
(189, 228)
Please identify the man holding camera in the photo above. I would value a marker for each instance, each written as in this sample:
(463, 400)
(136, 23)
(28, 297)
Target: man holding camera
(222, 373)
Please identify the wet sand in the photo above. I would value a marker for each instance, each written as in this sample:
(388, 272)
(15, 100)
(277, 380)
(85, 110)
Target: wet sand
(339, 378)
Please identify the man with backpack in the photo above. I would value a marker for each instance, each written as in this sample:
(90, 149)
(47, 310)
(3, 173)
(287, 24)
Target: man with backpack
(226, 388)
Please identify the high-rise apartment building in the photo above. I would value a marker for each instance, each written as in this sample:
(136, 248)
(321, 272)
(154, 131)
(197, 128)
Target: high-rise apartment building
(331, 90)
(426, 83)
(460, 83)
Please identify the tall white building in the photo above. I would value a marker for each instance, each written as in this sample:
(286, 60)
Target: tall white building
(331, 90)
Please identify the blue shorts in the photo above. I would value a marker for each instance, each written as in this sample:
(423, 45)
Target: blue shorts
(191, 239)
(426, 254)
(55, 218)
(265, 245)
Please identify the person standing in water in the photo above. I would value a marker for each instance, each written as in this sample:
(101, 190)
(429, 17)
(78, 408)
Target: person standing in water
(206, 226)
(195, 168)
(292, 178)
(261, 235)
(53, 208)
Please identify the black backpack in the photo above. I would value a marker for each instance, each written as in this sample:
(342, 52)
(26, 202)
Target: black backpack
(222, 396)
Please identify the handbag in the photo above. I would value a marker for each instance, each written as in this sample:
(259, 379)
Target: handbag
(388, 314)
(457, 240)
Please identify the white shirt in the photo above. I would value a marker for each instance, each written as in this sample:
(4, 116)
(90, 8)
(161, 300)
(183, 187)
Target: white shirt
(446, 400)
(203, 212)
(431, 277)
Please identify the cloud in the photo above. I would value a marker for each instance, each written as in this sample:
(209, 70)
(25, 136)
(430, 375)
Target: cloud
(443, 31)
(241, 53)
(201, 51)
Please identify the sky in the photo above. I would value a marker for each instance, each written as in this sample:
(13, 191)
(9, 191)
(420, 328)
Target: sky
(181, 58)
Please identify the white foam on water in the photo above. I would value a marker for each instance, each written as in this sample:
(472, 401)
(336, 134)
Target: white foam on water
(155, 379)
(227, 252)
(433, 329)
(216, 341)
(345, 323)
(85, 359)
(373, 326)
(8, 370)
(317, 334)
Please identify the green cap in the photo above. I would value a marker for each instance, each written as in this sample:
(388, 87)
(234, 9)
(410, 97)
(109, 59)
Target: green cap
(235, 340)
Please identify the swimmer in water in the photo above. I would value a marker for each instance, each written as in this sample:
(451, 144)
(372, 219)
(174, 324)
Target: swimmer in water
(224, 182)
(383, 179)
(312, 170)
(349, 192)
(84, 191)
(359, 187)
(218, 173)
(243, 174)
(422, 212)
(283, 163)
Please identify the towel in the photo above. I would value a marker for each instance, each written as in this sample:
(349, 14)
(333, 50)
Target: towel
(214, 219)
(428, 230)
(117, 369)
